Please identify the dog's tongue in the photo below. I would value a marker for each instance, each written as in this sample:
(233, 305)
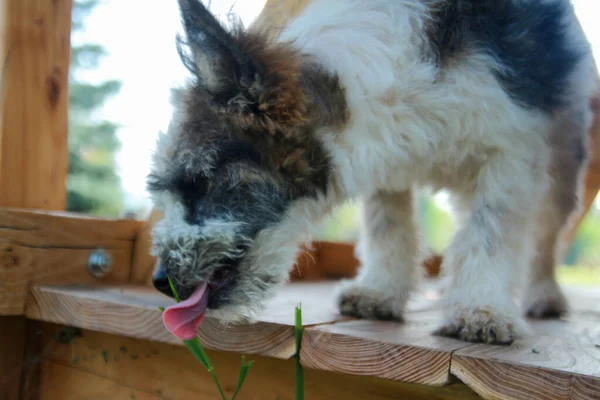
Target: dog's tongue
(182, 319)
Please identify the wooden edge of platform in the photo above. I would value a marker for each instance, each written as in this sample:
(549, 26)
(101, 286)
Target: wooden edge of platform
(408, 353)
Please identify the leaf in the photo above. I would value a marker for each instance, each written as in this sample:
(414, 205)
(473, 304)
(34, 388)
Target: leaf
(196, 349)
(177, 299)
(243, 372)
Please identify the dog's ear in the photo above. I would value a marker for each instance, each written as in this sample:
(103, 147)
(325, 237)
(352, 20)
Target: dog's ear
(241, 72)
(222, 67)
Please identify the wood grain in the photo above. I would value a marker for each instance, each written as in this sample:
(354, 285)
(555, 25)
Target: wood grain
(53, 248)
(143, 263)
(405, 352)
(563, 350)
(65, 383)
(170, 372)
(561, 361)
(35, 48)
(133, 311)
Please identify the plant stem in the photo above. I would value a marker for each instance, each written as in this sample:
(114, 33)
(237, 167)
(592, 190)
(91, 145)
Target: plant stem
(299, 370)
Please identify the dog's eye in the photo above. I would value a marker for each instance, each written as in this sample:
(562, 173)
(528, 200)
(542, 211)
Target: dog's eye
(192, 189)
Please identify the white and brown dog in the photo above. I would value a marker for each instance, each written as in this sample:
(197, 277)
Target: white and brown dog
(374, 99)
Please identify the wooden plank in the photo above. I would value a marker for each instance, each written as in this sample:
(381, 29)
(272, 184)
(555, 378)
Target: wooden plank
(143, 263)
(405, 352)
(562, 361)
(133, 311)
(170, 372)
(35, 44)
(35, 48)
(402, 352)
(53, 248)
(77, 385)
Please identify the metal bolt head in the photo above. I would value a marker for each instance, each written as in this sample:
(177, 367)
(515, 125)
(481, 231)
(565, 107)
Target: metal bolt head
(99, 263)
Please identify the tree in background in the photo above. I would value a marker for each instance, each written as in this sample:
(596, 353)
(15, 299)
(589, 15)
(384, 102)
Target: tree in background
(93, 185)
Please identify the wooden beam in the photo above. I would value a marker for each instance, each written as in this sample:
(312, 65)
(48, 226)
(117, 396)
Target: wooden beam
(54, 248)
(563, 352)
(133, 311)
(35, 48)
(560, 362)
(98, 365)
(142, 266)
(407, 353)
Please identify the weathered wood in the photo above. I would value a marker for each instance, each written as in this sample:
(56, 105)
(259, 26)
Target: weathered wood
(54, 248)
(143, 262)
(562, 361)
(35, 48)
(133, 311)
(565, 350)
(170, 372)
(386, 350)
(60, 382)
(405, 352)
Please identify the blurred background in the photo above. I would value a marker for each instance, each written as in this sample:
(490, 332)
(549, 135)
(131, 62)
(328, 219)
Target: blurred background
(124, 63)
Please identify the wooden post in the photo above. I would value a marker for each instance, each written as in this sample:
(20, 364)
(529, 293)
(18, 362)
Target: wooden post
(33, 104)
(35, 49)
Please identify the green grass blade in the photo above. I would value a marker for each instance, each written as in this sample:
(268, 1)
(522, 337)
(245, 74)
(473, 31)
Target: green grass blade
(298, 330)
(244, 368)
(195, 348)
(173, 289)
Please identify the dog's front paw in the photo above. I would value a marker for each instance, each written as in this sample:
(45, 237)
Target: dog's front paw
(483, 326)
(545, 300)
(358, 301)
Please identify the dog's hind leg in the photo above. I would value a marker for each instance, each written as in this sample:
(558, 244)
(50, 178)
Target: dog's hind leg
(543, 297)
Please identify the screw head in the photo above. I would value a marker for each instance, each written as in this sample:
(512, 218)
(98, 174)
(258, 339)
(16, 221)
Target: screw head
(99, 263)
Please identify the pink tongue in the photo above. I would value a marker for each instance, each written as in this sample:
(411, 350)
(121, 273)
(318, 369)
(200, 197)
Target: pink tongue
(182, 319)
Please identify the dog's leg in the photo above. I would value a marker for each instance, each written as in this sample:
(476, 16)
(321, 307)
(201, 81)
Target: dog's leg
(485, 255)
(389, 253)
(544, 298)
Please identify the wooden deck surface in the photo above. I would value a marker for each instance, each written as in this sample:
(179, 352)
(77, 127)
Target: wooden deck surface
(561, 360)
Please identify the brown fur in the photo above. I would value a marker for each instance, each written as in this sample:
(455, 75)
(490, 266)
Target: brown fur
(277, 116)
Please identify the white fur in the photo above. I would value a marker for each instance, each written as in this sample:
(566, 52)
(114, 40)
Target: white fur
(412, 126)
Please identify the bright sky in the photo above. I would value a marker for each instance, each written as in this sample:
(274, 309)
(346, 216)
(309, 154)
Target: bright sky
(140, 38)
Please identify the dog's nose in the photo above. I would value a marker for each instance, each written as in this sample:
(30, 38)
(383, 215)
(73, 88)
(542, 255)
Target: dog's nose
(161, 282)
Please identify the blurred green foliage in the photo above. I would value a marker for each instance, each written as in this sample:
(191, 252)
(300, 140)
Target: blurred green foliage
(93, 185)
(438, 226)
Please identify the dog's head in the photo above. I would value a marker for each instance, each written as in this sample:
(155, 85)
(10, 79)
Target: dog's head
(241, 152)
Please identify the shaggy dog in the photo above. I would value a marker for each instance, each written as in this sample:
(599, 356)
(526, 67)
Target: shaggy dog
(375, 99)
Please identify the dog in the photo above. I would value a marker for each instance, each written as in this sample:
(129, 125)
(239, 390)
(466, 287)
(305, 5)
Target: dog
(375, 100)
